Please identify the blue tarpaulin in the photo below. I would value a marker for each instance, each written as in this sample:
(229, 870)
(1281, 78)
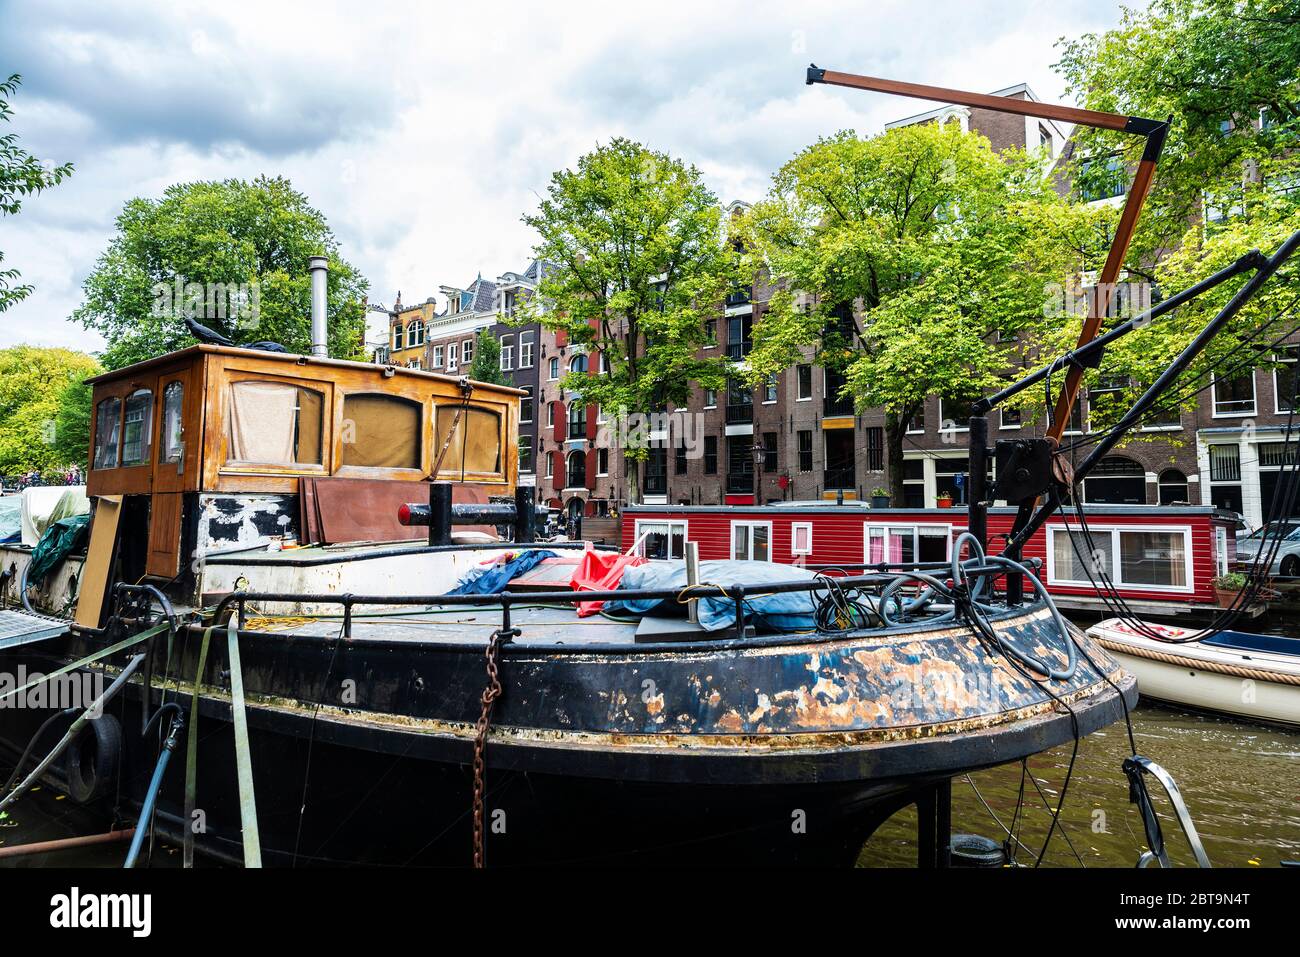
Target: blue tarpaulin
(493, 579)
(789, 611)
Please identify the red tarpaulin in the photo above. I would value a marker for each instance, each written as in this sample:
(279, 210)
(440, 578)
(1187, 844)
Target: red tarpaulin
(600, 571)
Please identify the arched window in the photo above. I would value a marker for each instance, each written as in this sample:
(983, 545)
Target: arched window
(415, 334)
(578, 363)
(137, 428)
(170, 448)
(575, 470)
(577, 420)
(1116, 481)
(108, 425)
(381, 431)
(1173, 487)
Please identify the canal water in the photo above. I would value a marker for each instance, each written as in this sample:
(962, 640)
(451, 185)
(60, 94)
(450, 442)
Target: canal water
(1241, 783)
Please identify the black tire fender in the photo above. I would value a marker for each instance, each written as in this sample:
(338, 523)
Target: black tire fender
(93, 759)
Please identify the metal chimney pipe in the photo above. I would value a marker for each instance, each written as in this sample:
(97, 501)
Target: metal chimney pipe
(319, 266)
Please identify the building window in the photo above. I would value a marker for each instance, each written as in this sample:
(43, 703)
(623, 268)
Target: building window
(739, 332)
(769, 452)
(875, 448)
(1284, 378)
(437, 357)
(453, 356)
(550, 466)
(769, 390)
(805, 450)
(751, 541)
(1010, 418)
(578, 363)
(661, 539)
(711, 455)
(1103, 178)
(804, 375)
(1116, 480)
(1173, 487)
(656, 472)
(415, 334)
(1156, 558)
(526, 350)
(916, 424)
(577, 420)
(1225, 477)
(525, 453)
(801, 538)
(575, 475)
(526, 406)
(913, 483)
(710, 333)
(679, 460)
(554, 372)
(467, 351)
(507, 353)
(1234, 397)
(954, 414)
(399, 340)
(602, 461)
(710, 398)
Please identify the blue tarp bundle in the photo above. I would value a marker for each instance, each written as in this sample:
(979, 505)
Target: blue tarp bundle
(789, 611)
(493, 579)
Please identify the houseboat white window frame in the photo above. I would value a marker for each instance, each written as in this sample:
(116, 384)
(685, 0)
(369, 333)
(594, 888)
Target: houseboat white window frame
(795, 528)
(1116, 574)
(750, 524)
(1221, 563)
(915, 527)
(669, 523)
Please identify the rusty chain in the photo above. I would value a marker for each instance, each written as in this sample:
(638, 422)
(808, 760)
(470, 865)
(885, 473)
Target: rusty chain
(490, 695)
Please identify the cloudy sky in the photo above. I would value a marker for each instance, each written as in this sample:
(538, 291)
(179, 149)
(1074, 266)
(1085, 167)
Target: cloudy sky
(424, 130)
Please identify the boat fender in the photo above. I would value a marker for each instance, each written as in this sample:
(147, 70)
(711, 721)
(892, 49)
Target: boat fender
(93, 759)
(974, 850)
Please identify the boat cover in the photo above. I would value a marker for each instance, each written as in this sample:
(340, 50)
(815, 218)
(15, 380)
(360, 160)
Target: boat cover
(11, 518)
(791, 611)
(60, 539)
(49, 503)
(492, 579)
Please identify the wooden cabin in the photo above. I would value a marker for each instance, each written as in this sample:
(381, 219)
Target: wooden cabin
(215, 448)
(1161, 558)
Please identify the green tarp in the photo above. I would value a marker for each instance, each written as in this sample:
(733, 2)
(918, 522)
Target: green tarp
(61, 538)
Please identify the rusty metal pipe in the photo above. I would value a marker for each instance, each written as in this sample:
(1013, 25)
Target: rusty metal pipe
(66, 843)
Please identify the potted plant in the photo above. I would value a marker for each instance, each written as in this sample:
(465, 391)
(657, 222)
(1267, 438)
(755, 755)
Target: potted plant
(879, 497)
(944, 500)
(1228, 587)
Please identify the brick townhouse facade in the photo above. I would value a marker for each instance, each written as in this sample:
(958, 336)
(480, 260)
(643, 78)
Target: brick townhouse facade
(795, 439)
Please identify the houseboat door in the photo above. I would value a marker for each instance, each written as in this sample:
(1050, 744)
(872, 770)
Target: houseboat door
(175, 468)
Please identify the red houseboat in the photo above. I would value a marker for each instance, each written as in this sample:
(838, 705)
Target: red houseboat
(1160, 559)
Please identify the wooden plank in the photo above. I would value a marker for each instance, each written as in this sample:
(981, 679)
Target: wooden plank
(164, 554)
(97, 570)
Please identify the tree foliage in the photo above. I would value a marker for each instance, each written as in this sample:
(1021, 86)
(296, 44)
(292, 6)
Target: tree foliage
(638, 263)
(33, 381)
(486, 366)
(929, 259)
(253, 238)
(22, 176)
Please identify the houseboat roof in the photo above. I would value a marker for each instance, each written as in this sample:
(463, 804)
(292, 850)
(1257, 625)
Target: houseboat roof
(289, 359)
(831, 508)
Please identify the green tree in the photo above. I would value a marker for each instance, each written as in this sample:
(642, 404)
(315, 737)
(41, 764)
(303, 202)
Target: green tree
(22, 175)
(930, 259)
(72, 424)
(1215, 67)
(639, 263)
(1228, 73)
(242, 249)
(486, 366)
(32, 382)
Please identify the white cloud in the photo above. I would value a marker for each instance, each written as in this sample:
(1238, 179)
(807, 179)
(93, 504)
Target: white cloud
(424, 133)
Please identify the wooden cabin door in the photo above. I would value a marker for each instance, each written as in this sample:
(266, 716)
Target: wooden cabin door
(176, 450)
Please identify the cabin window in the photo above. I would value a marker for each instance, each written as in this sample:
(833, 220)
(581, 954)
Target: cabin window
(170, 448)
(475, 447)
(108, 423)
(381, 431)
(273, 423)
(662, 539)
(751, 541)
(137, 428)
(801, 538)
(897, 544)
(1156, 559)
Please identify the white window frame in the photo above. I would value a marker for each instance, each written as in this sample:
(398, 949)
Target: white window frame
(795, 528)
(1214, 400)
(751, 525)
(670, 524)
(707, 404)
(1294, 361)
(911, 431)
(532, 405)
(467, 352)
(597, 453)
(915, 528)
(1220, 550)
(943, 419)
(1116, 574)
(453, 356)
(399, 337)
(507, 362)
(437, 357)
(798, 396)
(532, 454)
(774, 385)
(1002, 420)
(526, 350)
(553, 369)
